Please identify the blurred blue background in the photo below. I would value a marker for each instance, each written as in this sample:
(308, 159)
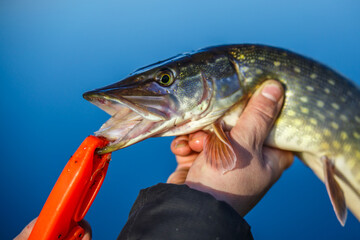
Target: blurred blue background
(53, 51)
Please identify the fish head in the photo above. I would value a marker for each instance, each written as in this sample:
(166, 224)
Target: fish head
(154, 100)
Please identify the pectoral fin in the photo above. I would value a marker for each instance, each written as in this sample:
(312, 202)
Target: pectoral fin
(334, 190)
(218, 150)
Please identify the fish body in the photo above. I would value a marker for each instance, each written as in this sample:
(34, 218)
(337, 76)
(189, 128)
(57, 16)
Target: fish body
(209, 88)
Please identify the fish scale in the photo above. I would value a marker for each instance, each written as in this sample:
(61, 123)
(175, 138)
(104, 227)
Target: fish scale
(209, 88)
(319, 116)
(307, 83)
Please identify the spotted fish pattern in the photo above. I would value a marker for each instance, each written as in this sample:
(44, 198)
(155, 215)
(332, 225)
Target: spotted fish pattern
(320, 116)
(208, 89)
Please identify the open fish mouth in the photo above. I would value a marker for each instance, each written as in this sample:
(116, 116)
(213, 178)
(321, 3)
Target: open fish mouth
(134, 118)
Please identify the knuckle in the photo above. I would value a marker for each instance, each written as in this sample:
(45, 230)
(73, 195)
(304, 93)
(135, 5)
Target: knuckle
(265, 110)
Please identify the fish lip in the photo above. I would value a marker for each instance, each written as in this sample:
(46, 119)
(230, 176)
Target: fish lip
(109, 102)
(132, 118)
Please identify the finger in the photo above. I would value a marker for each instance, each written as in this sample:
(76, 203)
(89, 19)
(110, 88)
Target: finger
(277, 161)
(182, 169)
(259, 114)
(183, 153)
(196, 141)
(179, 176)
(186, 161)
(25, 233)
(88, 232)
(180, 146)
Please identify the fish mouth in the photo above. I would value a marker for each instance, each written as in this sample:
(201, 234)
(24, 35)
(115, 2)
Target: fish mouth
(133, 118)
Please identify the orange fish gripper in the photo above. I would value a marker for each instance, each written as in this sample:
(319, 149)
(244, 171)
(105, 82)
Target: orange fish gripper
(73, 193)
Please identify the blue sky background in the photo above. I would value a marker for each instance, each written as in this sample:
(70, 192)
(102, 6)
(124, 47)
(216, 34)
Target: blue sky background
(53, 51)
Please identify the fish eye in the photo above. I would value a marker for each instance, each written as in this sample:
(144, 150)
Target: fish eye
(165, 79)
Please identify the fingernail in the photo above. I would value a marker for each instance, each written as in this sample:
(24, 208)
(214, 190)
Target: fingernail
(180, 144)
(272, 91)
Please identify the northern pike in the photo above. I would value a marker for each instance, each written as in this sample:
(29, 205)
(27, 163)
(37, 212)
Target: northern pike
(208, 90)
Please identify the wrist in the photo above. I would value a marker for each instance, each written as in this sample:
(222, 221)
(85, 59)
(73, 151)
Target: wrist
(231, 199)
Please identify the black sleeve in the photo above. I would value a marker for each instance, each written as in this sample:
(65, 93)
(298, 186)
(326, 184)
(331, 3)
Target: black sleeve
(168, 211)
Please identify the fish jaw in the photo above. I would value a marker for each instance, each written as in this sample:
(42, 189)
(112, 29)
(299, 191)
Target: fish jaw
(133, 118)
(131, 122)
(113, 104)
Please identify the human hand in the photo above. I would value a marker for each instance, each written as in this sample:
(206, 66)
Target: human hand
(258, 167)
(186, 149)
(25, 233)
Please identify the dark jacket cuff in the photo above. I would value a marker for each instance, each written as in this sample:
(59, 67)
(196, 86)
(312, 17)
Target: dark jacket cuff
(169, 211)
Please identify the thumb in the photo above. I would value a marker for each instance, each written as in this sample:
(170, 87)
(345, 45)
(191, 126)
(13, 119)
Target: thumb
(87, 228)
(259, 114)
(25, 233)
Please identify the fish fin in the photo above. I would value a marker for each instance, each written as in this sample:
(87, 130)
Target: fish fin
(179, 176)
(334, 190)
(218, 150)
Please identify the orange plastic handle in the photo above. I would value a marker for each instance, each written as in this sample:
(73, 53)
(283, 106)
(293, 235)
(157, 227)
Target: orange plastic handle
(73, 193)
